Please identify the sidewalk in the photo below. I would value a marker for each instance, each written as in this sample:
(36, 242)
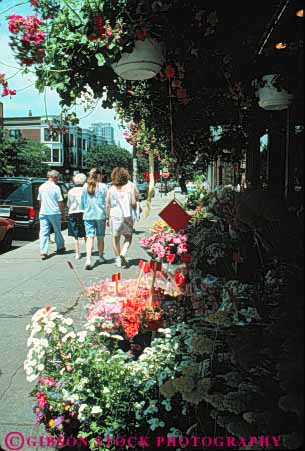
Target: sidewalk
(28, 284)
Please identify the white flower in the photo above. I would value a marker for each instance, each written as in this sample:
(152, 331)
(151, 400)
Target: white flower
(40, 367)
(91, 328)
(84, 380)
(32, 378)
(74, 398)
(68, 321)
(82, 407)
(105, 390)
(82, 336)
(117, 337)
(62, 329)
(96, 410)
(29, 370)
(67, 336)
(44, 343)
(104, 334)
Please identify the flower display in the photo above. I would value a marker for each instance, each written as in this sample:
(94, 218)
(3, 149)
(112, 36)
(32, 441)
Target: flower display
(166, 246)
(27, 38)
(6, 91)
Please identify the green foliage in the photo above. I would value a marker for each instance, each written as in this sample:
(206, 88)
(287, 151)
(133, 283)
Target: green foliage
(196, 198)
(109, 157)
(22, 157)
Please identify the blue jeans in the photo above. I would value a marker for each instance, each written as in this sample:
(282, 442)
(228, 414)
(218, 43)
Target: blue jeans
(46, 221)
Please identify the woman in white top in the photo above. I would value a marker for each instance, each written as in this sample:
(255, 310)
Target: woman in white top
(76, 227)
(121, 200)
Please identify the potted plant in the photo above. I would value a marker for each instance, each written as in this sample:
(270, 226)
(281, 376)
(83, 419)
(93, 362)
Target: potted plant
(272, 92)
(144, 62)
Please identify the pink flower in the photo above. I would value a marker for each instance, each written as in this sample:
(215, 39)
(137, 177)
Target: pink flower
(182, 248)
(15, 22)
(47, 381)
(5, 91)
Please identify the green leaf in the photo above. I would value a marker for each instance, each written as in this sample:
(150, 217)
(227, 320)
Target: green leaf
(100, 59)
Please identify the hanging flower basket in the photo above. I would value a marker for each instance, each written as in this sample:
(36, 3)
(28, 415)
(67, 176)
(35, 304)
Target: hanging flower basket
(144, 62)
(272, 97)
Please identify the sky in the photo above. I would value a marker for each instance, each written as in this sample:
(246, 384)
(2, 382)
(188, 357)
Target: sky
(28, 98)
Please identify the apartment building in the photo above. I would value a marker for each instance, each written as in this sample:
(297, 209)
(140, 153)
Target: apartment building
(67, 150)
(104, 131)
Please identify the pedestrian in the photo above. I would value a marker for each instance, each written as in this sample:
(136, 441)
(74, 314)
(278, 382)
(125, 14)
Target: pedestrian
(136, 212)
(76, 227)
(51, 211)
(93, 204)
(121, 201)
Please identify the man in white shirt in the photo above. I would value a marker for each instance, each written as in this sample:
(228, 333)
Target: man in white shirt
(50, 214)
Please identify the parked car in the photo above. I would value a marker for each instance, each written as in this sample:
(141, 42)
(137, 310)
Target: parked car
(6, 233)
(191, 188)
(18, 201)
(142, 189)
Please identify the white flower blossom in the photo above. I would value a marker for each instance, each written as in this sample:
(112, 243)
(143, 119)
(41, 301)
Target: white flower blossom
(68, 321)
(117, 337)
(32, 378)
(104, 334)
(62, 329)
(40, 367)
(67, 336)
(82, 336)
(96, 410)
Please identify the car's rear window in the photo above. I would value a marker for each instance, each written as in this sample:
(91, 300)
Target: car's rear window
(15, 193)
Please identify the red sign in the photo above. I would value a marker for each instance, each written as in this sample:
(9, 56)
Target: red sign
(175, 216)
(165, 175)
(145, 266)
(156, 176)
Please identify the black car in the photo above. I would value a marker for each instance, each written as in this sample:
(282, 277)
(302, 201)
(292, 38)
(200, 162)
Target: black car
(18, 201)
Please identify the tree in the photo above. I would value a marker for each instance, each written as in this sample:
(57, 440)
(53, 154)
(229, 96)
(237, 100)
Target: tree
(109, 157)
(22, 157)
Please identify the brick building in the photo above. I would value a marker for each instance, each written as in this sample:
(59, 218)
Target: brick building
(66, 151)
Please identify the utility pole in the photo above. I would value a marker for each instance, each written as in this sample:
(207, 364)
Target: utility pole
(134, 167)
(1, 121)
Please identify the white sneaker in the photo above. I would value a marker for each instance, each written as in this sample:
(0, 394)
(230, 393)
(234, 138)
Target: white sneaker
(78, 256)
(118, 262)
(88, 264)
(101, 259)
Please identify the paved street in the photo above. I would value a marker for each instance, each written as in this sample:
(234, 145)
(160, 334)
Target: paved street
(27, 284)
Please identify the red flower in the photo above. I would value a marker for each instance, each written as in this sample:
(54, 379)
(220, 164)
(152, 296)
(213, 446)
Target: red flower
(179, 279)
(169, 72)
(109, 32)
(5, 91)
(35, 3)
(27, 61)
(170, 258)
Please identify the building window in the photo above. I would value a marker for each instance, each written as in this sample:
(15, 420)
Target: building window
(50, 136)
(15, 134)
(56, 155)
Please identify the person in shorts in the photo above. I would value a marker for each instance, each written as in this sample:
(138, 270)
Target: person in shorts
(93, 203)
(76, 227)
(121, 202)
